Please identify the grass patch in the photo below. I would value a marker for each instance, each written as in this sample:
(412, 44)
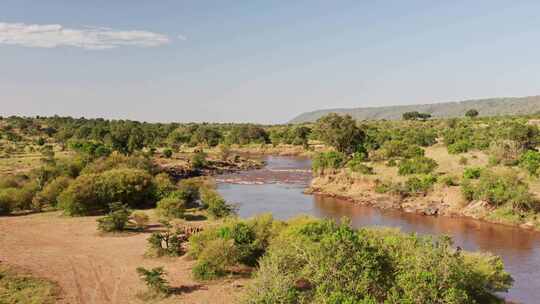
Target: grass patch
(17, 287)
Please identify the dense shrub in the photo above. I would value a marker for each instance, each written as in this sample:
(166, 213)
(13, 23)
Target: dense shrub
(116, 219)
(215, 204)
(198, 160)
(171, 207)
(460, 146)
(499, 189)
(119, 161)
(154, 280)
(328, 160)
(17, 199)
(163, 186)
(167, 153)
(247, 133)
(92, 193)
(49, 194)
(417, 165)
(189, 189)
(472, 173)
(340, 132)
(215, 258)
(356, 164)
(317, 261)
(235, 242)
(421, 184)
(530, 161)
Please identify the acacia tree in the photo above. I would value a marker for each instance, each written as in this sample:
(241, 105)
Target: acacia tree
(340, 132)
(472, 113)
(414, 115)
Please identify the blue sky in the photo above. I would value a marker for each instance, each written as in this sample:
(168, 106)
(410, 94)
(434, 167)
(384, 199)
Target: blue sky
(259, 61)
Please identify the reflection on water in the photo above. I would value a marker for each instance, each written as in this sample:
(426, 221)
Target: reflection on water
(282, 196)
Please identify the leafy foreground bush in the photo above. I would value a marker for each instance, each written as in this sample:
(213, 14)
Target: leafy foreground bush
(319, 261)
(20, 288)
(236, 242)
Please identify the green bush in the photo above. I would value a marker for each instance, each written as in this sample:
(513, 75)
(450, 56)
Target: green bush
(116, 219)
(499, 189)
(328, 160)
(214, 260)
(49, 194)
(460, 146)
(198, 160)
(417, 165)
(17, 199)
(530, 161)
(356, 164)
(167, 153)
(91, 193)
(215, 204)
(235, 242)
(421, 184)
(119, 161)
(163, 186)
(189, 189)
(318, 261)
(412, 152)
(171, 207)
(154, 279)
(472, 173)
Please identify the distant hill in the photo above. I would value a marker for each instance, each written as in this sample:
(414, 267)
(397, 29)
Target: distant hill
(486, 107)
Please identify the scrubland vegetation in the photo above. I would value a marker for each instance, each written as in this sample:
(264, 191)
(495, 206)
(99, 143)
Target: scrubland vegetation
(121, 172)
(306, 260)
(81, 166)
(19, 287)
(493, 160)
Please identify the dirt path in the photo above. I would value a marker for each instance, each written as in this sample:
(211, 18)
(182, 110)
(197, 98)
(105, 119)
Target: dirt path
(97, 269)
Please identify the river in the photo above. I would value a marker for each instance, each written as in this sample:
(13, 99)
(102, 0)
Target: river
(278, 189)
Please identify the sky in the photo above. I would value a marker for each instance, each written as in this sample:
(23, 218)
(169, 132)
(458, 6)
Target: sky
(259, 61)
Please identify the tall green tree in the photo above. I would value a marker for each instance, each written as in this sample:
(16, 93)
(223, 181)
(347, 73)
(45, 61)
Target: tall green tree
(340, 132)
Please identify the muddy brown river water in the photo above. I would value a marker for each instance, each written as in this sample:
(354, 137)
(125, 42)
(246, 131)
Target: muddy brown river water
(278, 188)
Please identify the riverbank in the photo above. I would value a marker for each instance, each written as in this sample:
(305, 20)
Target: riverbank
(180, 166)
(443, 200)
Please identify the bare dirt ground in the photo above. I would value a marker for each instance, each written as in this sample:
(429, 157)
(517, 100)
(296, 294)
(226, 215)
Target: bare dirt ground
(91, 268)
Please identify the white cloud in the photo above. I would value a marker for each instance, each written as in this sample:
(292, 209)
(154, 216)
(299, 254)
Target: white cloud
(181, 37)
(92, 38)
